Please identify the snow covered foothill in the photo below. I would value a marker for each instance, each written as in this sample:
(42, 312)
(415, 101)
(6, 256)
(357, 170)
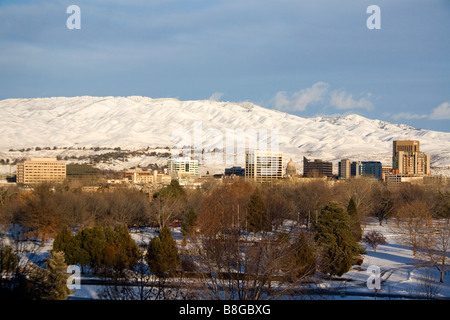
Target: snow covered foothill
(134, 122)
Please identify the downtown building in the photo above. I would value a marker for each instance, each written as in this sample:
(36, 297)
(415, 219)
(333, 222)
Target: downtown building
(263, 165)
(41, 170)
(348, 169)
(317, 168)
(182, 168)
(344, 169)
(407, 159)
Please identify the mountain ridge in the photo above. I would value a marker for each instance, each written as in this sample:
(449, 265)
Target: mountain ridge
(137, 121)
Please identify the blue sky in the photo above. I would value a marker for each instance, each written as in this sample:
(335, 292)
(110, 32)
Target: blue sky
(313, 57)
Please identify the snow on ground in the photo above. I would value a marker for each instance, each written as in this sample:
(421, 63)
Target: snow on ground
(399, 277)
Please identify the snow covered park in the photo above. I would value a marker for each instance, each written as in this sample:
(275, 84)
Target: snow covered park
(398, 276)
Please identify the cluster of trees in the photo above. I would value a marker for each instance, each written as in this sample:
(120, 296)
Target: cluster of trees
(239, 237)
(21, 279)
(98, 248)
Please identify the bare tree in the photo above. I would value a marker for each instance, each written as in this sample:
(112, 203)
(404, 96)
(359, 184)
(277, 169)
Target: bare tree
(232, 263)
(382, 207)
(374, 238)
(411, 222)
(435, 246)
(362, 191)
(141, 284)
(427, 285)
(38, 212)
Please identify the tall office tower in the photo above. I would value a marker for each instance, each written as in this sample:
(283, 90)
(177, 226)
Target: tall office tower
(405, 145)
(317, 168)
(263, 166)
(344, 169)
(182, 167)
(40, 170)
(407, 159)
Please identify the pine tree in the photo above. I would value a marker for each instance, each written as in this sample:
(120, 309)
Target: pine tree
(355, 224)
(127, 250)
(173, 190)
(162, 254)
(335, 240)
(92, 247)
(56, 282)
(188, 223)
(62, 239)
(304, 257)
(257, 217)
(8, 261)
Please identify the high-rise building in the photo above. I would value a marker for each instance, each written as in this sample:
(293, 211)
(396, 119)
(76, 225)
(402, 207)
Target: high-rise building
(317, 168)
(405, 145)
(407, 159)
(182, 168)
(40, 170)
(344, 169)
(263, 166)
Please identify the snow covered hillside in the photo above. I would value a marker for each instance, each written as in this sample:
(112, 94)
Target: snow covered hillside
(133, 122)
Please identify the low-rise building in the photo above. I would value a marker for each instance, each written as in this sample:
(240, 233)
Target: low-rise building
(41, 170)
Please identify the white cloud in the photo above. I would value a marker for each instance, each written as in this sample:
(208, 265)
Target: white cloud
(344, 101)
(406, 115)
(216, 96)
(301, 99)
(442, 112)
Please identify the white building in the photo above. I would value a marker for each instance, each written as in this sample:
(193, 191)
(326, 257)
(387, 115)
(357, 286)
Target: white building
(263, 165)
(182, 168)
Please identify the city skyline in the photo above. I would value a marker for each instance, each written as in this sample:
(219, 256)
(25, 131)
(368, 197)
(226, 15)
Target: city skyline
(302, 58)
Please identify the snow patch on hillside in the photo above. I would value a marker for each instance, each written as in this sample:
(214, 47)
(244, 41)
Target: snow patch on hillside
(136, 122)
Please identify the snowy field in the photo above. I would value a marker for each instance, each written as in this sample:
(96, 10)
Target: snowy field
(399, 278)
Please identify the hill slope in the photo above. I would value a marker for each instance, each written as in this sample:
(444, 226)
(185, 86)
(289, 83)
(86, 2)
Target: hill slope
(141, 121)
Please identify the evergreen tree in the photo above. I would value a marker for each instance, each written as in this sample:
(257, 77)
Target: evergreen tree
(257, 217)
(93, 242)
(173, 190)
(162, 254)
(99, 247)
(75, 253)
(355, 224)
(335, 240)
(56, 280)
(127, 254)
(8, 261)
(304, 257)
(188, 223)
(62, 239)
